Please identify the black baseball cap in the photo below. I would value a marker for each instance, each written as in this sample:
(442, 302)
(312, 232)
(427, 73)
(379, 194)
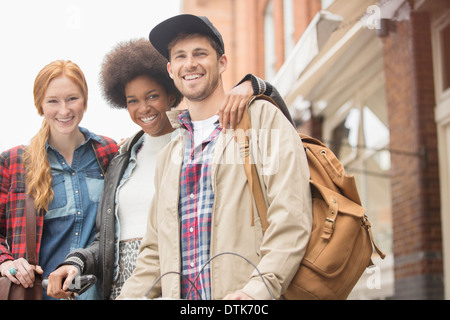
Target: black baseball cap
(166, 31)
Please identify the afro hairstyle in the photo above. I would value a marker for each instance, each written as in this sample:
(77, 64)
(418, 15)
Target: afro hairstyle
(128, 60)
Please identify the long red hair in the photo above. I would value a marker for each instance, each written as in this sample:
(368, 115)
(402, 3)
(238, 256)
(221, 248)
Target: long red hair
(38, 174)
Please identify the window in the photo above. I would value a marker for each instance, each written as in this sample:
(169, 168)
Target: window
(441, 61)
(441, 57)
(359, 136)
(345, 136)
(445, 40)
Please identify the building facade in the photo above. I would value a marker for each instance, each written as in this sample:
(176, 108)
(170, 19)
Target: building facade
(372, 80)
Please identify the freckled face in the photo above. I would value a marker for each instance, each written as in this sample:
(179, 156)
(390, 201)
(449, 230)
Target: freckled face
(147, 103)
(63, 106)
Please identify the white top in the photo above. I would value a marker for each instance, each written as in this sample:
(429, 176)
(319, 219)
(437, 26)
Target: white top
(135, 195)
(203, 128)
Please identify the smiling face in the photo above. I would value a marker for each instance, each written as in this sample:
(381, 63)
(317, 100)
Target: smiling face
(63, 106)
(195, 67)
(147, 103)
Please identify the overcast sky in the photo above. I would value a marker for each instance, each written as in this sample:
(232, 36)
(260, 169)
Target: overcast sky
(34, 33)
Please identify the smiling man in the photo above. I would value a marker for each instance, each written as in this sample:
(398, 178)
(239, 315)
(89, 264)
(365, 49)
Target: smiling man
(196, 69)
(202, 207)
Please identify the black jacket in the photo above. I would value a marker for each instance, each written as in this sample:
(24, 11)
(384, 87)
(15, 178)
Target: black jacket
(98, 258)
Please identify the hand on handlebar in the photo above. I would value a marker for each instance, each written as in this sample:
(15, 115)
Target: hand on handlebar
(60, 280)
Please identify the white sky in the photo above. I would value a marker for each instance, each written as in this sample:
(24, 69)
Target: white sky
(34, 33)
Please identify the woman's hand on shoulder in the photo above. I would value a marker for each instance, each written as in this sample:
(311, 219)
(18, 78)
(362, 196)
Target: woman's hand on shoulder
(232, 109)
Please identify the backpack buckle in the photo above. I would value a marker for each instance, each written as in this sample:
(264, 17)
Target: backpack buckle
(331, 221)
(328, 228)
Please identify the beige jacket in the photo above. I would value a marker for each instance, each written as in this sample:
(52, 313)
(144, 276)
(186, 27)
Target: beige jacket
(277, 254)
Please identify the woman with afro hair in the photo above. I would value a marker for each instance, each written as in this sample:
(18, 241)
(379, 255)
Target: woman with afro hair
(134, 77)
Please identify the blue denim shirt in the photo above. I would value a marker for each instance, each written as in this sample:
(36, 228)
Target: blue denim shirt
(69, 223)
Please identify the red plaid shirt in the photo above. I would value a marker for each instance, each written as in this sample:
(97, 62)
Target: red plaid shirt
(195, 209)
(12, 198)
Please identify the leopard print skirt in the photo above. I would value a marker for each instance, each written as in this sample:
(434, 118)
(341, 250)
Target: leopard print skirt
(128, 253)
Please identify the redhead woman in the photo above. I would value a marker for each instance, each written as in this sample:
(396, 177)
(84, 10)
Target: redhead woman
(134, 77)
(64, 168)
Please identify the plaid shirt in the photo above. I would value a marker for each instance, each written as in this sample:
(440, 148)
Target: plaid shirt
(12, 198)
(195, 208)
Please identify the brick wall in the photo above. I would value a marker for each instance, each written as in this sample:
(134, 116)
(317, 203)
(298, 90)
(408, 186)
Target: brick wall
(415, 179)
(241, 24)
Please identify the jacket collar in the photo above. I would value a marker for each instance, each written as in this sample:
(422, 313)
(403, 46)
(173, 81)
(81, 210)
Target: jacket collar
(173, 117)
(224, 139)
(126, 147)
(88, 135)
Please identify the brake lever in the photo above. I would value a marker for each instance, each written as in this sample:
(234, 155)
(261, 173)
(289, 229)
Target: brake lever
(79, 285)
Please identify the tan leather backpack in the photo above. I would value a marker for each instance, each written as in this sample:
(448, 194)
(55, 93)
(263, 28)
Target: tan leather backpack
(341, 243)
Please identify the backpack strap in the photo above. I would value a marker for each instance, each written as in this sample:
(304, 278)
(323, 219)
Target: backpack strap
(368, 227)
(30, 216)
(241, 137)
